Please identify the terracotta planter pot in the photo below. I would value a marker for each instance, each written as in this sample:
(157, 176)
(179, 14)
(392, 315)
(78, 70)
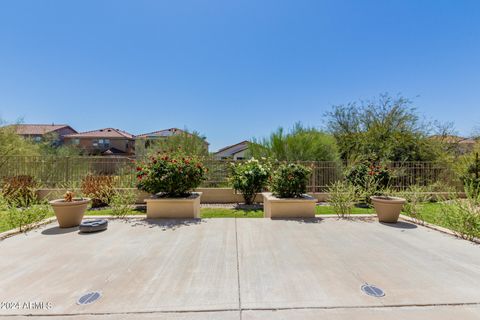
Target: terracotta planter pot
(388, 208)
(176, 208)
(69, 214)
(274, 207)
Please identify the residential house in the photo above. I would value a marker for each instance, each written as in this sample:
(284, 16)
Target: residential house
(143, 141)
(238, 151)
(39, 132)
(105, 142)
(458, 145)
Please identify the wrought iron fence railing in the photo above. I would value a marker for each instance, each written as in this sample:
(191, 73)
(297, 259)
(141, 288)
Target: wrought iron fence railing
(55, 171)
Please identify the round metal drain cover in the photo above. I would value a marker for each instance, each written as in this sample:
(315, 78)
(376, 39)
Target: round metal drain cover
(372, 290)
(89, 298)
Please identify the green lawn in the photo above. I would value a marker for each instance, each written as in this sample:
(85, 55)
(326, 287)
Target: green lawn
(430, 212)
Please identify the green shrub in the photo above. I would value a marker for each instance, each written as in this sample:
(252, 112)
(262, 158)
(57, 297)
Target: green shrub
(369, 179)
(342, 197)
(415, 195)
(462, 218)
(290, 180)
(471, 174)
(99, 188)
(121, 202)
(173, 175)
(20, 189)
(463, 215)
(249, 178)
(24, 217)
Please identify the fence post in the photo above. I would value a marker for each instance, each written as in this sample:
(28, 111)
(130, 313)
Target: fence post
(67, 170)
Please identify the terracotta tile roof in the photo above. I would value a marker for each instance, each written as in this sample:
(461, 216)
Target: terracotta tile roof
(102, 133)
(38, 129)
(161, 133)
(237, 147)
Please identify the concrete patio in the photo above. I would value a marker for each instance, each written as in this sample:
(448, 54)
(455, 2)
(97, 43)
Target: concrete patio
(241, 269)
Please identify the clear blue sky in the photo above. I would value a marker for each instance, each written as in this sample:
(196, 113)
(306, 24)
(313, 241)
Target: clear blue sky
(233, 69)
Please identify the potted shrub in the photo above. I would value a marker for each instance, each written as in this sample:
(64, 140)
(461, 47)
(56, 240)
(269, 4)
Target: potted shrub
(171, 179)
(69, 210)
(288, 198)
(387, 208)
(249, 178)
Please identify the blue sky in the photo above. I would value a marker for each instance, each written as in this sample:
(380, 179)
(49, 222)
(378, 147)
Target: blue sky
(234, 70)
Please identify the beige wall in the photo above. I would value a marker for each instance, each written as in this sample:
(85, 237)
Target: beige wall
(87, 144)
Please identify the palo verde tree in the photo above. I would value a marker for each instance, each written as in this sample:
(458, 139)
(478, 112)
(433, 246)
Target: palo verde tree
(384, 128)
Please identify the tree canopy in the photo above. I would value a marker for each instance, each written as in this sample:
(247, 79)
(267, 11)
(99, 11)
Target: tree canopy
(298, 144)
(190, 143)
(385, 128)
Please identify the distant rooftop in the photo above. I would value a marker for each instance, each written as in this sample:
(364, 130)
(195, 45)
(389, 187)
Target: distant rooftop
(102, 133)
(237, 147)
(161, 133)
(38, 129)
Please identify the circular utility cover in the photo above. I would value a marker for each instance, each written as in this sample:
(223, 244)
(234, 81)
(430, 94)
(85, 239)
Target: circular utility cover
(89, 298)
(372, 290)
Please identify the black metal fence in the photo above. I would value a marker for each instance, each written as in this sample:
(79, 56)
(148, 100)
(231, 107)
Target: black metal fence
(55, 171)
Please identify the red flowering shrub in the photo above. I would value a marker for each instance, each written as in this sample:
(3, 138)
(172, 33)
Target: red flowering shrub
(290, 180)
(171, 175)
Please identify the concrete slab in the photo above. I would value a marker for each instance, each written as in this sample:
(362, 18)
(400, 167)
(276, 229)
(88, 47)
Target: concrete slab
(323, 263)
(138, 266)
(219, 315)
(401, 313)
(259, 268)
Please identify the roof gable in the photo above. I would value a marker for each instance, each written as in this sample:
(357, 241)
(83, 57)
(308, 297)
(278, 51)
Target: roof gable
(102, 133)
(39, 129)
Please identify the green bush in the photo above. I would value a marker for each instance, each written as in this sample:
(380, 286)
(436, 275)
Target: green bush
(174, 175)
(24, 217)
(290, 180)
(462, 216)
(298, 144)
(121, 202)
(342, 197)
(249, 178)
(471, 172)
(415, 195)
(370, 179)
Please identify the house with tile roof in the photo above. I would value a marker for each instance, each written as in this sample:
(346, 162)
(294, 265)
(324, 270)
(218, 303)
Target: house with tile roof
(39, 132)
(143, 141)
(238, 151)
(105, 142)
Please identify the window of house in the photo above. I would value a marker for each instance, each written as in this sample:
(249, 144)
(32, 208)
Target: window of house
(101, 143)
(76, 141)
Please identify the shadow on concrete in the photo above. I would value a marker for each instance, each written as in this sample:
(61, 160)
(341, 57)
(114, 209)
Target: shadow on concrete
(400, 225)
(91, 233)
(248, 207)
(166, 224)
(58, 230)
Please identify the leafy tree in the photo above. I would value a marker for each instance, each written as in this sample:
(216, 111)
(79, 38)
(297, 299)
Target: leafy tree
(189, 143)
(385, 128)
(13, 144)
(298, 144)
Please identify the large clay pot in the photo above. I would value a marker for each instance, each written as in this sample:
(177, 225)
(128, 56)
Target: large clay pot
(69, 213)
(388, 208)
